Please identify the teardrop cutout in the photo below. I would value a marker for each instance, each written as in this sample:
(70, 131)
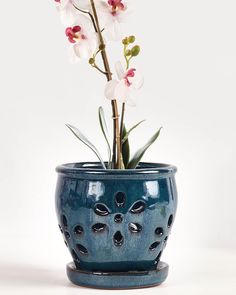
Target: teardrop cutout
(67, 235)
(154, 246)
(138, 207)
(82, 249)
(98, 227)
(78, 230)
(159, 231)
(118, 238)
(64, 220)
(120, 199)
(101, 209)
(135, 227)
(74, 255)
(170, 220)
(158, 258)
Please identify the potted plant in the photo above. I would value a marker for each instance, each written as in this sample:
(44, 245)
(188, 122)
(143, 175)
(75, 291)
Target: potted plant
(116, 215)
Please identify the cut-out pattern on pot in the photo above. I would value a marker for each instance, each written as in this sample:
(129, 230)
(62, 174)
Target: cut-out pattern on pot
(119, 200)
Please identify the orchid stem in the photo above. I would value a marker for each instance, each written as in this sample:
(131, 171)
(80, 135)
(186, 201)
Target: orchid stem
(116, 157)
(123, 104)
(127, 60)
(87, 12)
(100, 70)
(93, 62)
(122, 122)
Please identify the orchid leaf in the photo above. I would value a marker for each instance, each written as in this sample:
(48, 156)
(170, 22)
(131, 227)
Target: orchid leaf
(82, 138)
(104, 129)
(130, 130)
(139, 154)
(125, 148)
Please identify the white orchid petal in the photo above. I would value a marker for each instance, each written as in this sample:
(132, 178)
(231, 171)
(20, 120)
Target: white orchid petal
(84, 22)
(68, 15)
(119, 70)
(73, 58)
(103, 14)
(93, 41)
(122, 91)
(138, 80)
(85, 48)
(102, 7)
(113, 30)
(123, 16)
(82, 50)
(76, 48)
(64, 3)
(110, 89)
(82, 4)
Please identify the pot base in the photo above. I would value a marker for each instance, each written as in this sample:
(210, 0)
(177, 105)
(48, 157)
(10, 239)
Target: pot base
(118, 280)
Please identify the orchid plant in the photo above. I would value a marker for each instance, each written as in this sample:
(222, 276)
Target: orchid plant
(88, 24)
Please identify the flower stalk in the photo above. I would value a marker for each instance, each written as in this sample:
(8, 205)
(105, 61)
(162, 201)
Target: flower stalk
(116, 157)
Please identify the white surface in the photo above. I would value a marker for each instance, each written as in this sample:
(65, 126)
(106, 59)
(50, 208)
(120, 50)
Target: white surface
(189, 63)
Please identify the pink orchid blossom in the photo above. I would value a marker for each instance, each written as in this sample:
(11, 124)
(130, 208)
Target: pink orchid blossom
(82, 39)
(124, 89)
(112, 14)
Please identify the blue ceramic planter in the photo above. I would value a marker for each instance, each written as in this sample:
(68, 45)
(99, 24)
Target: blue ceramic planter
(116, 223)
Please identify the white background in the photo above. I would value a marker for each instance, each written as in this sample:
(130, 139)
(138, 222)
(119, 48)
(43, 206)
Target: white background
(189, 63)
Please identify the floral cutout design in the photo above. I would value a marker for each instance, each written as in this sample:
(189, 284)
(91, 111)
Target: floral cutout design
(120, 201)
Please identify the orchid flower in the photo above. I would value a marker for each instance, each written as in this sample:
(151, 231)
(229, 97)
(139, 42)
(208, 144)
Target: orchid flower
(82, 39)
(112, 14)
(125, 88)
(67, 11)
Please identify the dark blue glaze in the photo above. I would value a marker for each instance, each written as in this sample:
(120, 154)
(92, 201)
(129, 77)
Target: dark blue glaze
(116, 220)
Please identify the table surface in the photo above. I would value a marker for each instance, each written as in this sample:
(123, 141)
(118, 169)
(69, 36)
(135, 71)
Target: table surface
(31, 270)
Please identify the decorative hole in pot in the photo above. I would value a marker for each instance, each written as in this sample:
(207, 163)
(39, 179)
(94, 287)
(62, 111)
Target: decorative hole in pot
(99, 227)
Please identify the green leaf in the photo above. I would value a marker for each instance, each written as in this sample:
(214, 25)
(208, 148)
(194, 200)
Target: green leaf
(139, 154)
(130, 130)
(82, 138)
(125, 149)
(103, 125)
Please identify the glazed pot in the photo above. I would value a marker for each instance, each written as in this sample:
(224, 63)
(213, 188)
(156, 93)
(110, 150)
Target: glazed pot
(116, 223)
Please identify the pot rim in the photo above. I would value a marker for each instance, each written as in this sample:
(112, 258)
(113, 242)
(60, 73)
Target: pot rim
(95, 168)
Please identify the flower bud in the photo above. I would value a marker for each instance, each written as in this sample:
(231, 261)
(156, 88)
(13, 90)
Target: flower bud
(125, 41)
(128, 52)
(91, 61)
(131, 39)
(135, 50)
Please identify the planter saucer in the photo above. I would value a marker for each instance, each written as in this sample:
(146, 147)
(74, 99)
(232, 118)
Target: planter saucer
(118, 280)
